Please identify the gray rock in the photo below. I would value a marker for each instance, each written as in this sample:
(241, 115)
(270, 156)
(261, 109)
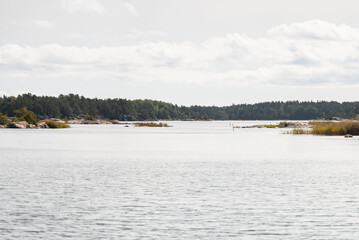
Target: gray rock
(42, 125)
(55, 119)
(255, 126)
(21, 124)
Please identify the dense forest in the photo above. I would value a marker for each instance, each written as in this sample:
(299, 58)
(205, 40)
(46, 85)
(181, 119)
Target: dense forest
(74, 106)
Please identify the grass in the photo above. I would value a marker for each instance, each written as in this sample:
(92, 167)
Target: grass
(91, 122)
(329, 128)
(335, 128)
(53, 124)
(116, 122)
(151, 124)
(300, 131)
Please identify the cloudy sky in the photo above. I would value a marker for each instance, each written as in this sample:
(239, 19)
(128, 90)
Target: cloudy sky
(207, 52)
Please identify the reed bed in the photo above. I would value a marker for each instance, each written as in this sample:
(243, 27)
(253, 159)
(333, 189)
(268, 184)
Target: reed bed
(299, 131)
(329, 128)
(335, 128)
(151, 124)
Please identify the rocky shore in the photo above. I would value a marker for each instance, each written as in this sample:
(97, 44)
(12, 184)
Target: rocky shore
(280, 125)
(24, 125)
(83, 121)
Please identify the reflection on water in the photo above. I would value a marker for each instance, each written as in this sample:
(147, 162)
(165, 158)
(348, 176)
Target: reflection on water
(196, 180)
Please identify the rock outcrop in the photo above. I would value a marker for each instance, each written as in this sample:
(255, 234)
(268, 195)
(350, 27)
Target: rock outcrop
(42, 125)
(83, 121)
(23, 125)
(280, 125)
(254, 126)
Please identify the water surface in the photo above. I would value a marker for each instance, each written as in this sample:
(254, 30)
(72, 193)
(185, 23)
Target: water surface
(196, 180)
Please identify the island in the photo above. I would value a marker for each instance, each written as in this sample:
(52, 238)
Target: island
(25, 118)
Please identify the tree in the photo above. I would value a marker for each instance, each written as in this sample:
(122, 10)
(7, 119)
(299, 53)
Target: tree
(3, 119)
(89, 117)
(25, 115)
(75, 106)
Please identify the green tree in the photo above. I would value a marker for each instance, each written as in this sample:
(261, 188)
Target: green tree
(75, 106)
(3, 119)
(89, 117)
(25, 115)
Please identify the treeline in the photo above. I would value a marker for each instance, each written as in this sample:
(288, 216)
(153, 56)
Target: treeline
(75, 106)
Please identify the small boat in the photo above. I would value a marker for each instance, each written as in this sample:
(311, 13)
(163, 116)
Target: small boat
(348, 136)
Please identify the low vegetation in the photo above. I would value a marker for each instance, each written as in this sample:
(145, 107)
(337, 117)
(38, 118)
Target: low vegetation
(298, 131)
(335, 128)
(151, 124)
(119, 123)
(328, 128)
(53, 124)
(91, 122)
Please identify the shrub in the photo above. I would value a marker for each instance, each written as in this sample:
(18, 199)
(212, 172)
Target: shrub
(53, 124)
(3, 119)
(151, 124)
(23, 114)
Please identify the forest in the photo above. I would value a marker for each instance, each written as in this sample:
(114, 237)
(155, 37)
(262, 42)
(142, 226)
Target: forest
(73, 106)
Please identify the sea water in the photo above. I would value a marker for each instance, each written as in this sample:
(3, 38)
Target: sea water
(194, 180)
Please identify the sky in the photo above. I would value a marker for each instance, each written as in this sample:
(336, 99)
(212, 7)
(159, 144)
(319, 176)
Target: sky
(198, 52)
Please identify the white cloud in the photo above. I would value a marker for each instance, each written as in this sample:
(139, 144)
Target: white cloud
(73, 6)
(131, 8)
(313, 53)
(315, 29)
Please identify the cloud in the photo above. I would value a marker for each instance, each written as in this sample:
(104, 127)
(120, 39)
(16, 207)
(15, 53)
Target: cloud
(42, 24)
(74, 6)
(313, 53)
(315, 29)
(131, 8)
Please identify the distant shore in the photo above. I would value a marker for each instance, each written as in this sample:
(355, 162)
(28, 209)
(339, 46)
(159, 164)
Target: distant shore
(340, 127)
(73, 106)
